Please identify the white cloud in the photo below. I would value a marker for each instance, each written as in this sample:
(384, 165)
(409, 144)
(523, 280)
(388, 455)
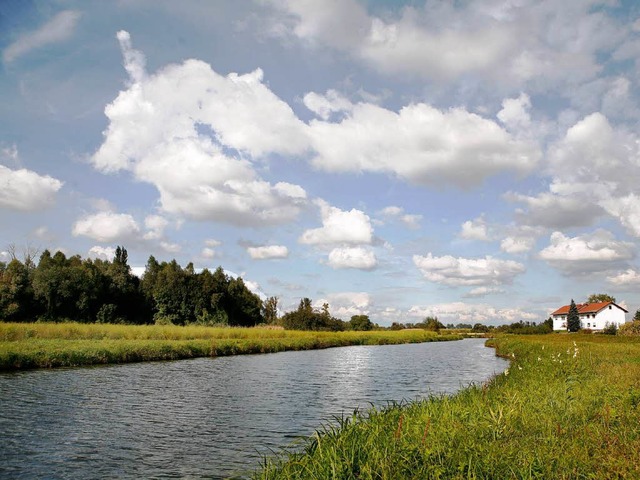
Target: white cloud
(327, 104)
(627, 210)
(107, 227)
(551, 210)
(595, 252)
(517, 244)
(58, 29)
(212, 242)
(208, 253)
(155, 224)
(346, 304)
(360, 258)
(339, 226)
(170, 247)
(103, 253)
(515, 113)
(25, 190)
(475, 230)
(449, 270)
(437, 147)
(483, 291)
(544, 44)
(158, 130)
(267, 252)
(457, 312)
(628, 278)
(411, 221)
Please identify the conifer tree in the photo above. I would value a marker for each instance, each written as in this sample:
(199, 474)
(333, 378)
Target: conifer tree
(573, 319)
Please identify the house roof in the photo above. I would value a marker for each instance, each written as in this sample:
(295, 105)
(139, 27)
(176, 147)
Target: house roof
(587, 308)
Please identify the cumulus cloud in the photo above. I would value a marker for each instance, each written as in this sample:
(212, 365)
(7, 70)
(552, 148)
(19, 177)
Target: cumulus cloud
(628, 278)
(588, 253)
(325, 105)
(170, 247)
(106, 227)
(103, 253)
(551, 210)
(517, 244)
(411, 221)
(25, 190)
(267, 252)
(174, 129)
(515, 113)
(155, 224)
(449, 270)
(58, 29)
(475, 230)
(543, 44)
(471, 313)
(483, 291)
(453, 147)
(360, 258)
(339, 226)
(346, 304)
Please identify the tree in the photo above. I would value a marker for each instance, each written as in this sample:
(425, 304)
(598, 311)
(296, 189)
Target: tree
(600, 297)
(360, 323)
(573, 319)
(270, 310)
(431, 323)
(636, 317)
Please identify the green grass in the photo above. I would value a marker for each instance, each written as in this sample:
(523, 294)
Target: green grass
(47, 345)
(561, 411)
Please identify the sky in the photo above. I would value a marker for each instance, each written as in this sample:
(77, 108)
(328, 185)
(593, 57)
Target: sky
(478, 161)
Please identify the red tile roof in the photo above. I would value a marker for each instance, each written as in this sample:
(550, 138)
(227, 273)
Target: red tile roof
(587, 308)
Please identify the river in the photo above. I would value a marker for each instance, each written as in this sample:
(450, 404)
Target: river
(210, 417)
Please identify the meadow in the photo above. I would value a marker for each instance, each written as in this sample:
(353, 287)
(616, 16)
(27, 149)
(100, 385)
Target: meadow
(48, 345)
(568, 407)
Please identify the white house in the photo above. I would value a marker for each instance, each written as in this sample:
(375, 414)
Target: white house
(592, 315)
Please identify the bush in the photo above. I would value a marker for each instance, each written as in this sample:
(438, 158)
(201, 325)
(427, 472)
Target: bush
(610, 329)
(630, 329)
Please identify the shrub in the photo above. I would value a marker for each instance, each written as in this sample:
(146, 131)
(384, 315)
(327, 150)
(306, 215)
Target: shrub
(610, 329)
(630, 329)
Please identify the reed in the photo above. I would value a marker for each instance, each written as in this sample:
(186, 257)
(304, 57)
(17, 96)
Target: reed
(568, 407)
(47, 345)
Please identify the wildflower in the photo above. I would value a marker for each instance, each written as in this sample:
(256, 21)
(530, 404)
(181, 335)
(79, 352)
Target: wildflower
(539, 359)
(506, 372)
(519, 367)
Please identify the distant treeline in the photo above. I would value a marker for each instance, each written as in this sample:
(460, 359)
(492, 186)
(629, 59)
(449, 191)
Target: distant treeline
(101, 291)
(94, 290)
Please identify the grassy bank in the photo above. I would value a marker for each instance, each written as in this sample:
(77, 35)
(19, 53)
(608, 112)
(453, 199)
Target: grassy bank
(38, 345)
(562, 410)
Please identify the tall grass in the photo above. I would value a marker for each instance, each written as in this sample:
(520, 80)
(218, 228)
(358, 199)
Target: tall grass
(33, 345)
(568, 407)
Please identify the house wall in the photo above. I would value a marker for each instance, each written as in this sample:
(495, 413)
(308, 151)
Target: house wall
(604, 316)
(560, 322)
(609, 315)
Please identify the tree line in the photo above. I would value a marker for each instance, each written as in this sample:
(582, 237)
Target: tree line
(89, 290)
(102, 291)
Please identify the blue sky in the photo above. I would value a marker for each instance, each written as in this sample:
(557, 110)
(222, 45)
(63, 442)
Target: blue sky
(477, 161)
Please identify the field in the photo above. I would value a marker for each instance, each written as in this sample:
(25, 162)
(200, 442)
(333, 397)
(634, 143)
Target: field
(46, 345)
(568, 407)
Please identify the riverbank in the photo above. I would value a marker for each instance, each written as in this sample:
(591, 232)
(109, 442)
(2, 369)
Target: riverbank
(49, 345)
(568, 407)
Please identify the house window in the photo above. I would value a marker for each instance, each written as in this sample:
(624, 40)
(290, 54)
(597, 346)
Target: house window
(609, 307)
(588, 324)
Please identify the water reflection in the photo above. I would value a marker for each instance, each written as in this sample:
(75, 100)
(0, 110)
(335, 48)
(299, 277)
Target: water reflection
(209, 417)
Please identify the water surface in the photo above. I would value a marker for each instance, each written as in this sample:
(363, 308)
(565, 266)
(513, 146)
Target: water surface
(210, 417)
